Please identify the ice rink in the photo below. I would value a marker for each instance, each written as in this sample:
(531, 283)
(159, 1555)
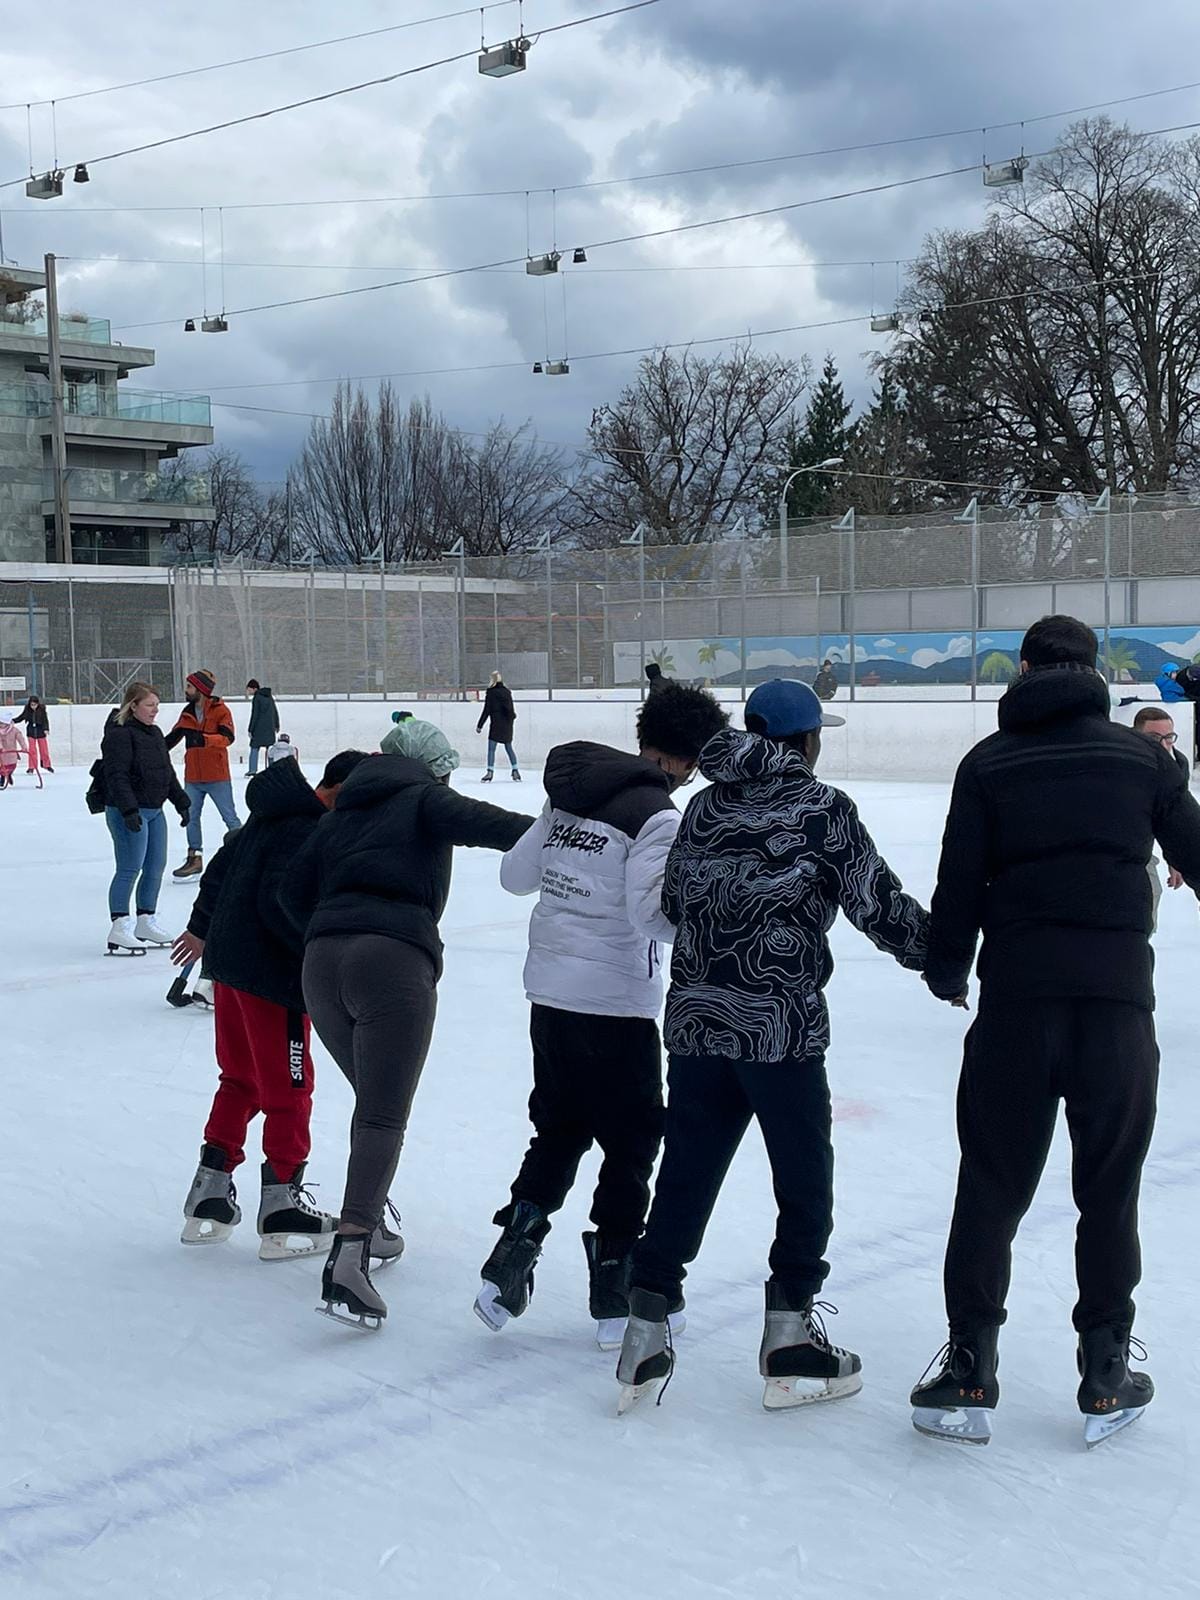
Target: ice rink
(178, 1425)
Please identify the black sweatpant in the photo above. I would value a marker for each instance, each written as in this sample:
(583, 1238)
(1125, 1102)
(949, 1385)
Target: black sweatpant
(1022, 1057)
(595, 1079)
(372, 1000)
(710, 1101)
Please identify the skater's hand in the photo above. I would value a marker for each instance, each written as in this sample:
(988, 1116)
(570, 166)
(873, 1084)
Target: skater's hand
(193, 739)
(1174, 879)
(185, 815)
(186, 948)
(133, 821)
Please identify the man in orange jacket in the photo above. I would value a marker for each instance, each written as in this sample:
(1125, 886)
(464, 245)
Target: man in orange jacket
(205, 727)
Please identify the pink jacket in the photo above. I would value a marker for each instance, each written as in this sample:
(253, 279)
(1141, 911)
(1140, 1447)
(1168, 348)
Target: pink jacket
(12, 744)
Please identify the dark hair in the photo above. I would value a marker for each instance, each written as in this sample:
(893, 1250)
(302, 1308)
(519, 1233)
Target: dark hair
(679, 720)
(339, 767)
(790, 741)
(1152, 714)
(1059, 642)
(253, 683)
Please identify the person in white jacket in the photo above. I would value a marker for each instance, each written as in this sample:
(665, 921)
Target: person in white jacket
(596, 858)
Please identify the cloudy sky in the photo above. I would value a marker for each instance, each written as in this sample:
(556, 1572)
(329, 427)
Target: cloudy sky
(680, 84)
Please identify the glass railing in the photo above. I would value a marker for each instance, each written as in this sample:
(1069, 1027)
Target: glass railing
(132, 488)
(95, 400)
(81, 329)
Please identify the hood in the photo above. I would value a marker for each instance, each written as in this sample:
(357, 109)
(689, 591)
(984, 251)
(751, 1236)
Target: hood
(378, 779)
(1048, 695)
(262, 690)
(582, 777)
(282, 790)
(734, 757)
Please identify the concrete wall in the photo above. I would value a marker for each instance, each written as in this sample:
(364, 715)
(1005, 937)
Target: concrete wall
(882, 740)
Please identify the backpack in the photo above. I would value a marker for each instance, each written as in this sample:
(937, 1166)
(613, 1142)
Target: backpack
(96, 797)
(1188, 679)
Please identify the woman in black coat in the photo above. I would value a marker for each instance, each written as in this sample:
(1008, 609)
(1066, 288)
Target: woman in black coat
(37, 727)
(500, 714)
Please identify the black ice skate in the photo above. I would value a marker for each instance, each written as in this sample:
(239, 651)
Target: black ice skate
(346, 1281)
(211, 1211)
(608, 1289)
(647, 1357)
(288, 1223)
(799, 1363)
(1110, 1396)
(387, 1246)
(516, 776)
(487, 777)
(508, 1272)
(957, 1404)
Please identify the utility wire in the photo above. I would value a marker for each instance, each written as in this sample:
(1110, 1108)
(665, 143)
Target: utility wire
(517, 272)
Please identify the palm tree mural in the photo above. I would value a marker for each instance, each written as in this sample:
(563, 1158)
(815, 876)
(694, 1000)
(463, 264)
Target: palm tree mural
(998, 668)
(1122, 662)
(707, 655)
(665, 660)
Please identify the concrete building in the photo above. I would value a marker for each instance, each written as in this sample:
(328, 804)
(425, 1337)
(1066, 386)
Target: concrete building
(122, 504)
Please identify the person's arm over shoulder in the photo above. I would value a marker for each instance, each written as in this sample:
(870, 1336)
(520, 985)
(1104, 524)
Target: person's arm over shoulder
(870, 893)
(521, 867)
(116, 752)
(645, 872)
(1177, 823)
(455, 819)
(956, 911)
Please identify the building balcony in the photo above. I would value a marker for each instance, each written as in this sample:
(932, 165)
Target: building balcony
(106, 494)
(108, 401)
(71, 329)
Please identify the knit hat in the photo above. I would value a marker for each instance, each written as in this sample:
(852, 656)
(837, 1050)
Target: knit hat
(203, 681)
(421, 741)
(281, 750)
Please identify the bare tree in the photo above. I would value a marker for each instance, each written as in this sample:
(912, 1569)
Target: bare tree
(243, 521)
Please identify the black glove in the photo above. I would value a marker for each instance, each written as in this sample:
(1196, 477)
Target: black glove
(185, 813)
(193, 739)
(133, 821)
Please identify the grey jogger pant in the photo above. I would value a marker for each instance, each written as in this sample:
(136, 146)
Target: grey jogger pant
(372, 1001)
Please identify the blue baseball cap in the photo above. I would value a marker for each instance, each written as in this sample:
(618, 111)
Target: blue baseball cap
(787, 706)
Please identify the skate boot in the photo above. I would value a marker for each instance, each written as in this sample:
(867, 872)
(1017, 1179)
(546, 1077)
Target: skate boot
(288, 1222)
(211, 1210)
(608, 1289)
(957, 1403)
(1110, 1396)
(797, 1359)
(191, 868)
(508, 1272)
(386, 1246)
(516, 776)
(150, 932)
(202, 994)
(121, 940)
(488, 776)
(346, 1281)
(647, 1357)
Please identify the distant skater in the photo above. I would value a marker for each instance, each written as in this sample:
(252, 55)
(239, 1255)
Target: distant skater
(264, 722)
(500, 715)
(37, 727)
(12, 748)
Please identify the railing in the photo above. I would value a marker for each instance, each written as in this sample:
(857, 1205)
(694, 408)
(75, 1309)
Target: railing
(131, 488)
(97, 400)
(80, 330)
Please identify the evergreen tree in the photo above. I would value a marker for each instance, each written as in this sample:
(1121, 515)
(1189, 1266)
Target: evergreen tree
(822, 434)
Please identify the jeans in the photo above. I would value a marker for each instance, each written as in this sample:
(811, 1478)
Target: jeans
(141, 858)
(508, 750)
(221, 795)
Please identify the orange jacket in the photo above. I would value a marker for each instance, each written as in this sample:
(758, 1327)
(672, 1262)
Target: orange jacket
(207, 762)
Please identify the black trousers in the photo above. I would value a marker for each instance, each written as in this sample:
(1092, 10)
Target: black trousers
(373, 1001)
(709, 1105)
(1023, 1057)
(595, 1079)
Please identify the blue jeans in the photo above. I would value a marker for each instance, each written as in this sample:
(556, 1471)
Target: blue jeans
(508, 750)
(221, 795)
(141, 858)
(255, 751)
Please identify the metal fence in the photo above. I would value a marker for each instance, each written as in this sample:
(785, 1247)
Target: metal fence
(566, 620)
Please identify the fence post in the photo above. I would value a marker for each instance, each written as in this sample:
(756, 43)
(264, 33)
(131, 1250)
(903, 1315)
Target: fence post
(971, 517)
(383, 619)
(742, 623)
(346, 623)
(845, 525)
(366, 636)
(310, 585)
(578, 642)
(34, 686)
(421, 636)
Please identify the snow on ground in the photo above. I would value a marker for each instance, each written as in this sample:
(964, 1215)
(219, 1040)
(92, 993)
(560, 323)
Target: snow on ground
(178, 1424)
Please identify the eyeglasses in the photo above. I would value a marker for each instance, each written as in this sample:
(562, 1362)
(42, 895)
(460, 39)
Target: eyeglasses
(1163, 738)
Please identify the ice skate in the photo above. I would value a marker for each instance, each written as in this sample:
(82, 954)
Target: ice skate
(1110, 1396)
(508, 1272)
(289, 1225)
(647, 1357)
(211, 1211)
(487, 777)
(957, 1403)
(121, 940)
(346, 1282)
(608, 1290)
(202, 994)
(800, 1364)
(191, 868)
(151, 932)
(387, 1246)
(516, 776)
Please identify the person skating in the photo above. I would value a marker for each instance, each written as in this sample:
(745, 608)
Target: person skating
(1051, 824)
(366, 893)
(12, 747)
(37, 728)
(596, 858)
(1158, 725)
(264, 722)
(500, 714)
(205, 726)
(825, 684)
(763, 860)
(421, 741)
(254, 958)
(139, 780)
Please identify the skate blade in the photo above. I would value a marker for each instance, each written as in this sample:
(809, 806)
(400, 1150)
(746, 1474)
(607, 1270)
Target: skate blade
(124, 950)
(1097, 1429)
(957, 1425)
(632, 1393)
(784, 1394)
(287, 1246)
(365, 1321)
(488, 1308)
(610, 1331)
(205, 1230)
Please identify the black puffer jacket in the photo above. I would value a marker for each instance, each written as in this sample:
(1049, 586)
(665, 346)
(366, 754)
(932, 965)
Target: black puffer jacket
(249, 944)
(137, 768)
(380, 862)
(499, 712)
(264, 719)
(1051, 825)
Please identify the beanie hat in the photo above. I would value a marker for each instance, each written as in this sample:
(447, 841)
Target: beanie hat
(281, 750)
(204, 681)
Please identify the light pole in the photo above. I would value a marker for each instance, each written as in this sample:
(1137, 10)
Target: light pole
(544, 545)
(638, 538)
(459, 550)
(971, 517)
(845, 524)
(819, 466)
(1104, 505)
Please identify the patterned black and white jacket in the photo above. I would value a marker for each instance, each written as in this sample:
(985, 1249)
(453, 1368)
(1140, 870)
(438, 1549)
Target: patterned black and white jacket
(762, 861)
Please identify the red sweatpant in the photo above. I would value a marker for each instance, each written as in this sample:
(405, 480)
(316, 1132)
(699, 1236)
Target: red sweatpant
(263, 1054)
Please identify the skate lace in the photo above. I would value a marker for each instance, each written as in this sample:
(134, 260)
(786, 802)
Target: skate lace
(1137, 1349)
(670, 1361)
(955, 1358)
(395, 1216)
(303, 1199)
(817, 1330)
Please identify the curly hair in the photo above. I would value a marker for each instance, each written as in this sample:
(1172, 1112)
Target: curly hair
(679, 721)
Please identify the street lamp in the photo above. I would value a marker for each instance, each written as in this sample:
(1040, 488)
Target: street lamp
(638, 538)
(820, 466)
(971, 517)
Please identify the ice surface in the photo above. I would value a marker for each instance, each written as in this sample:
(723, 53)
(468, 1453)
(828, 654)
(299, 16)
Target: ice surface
(177, 1424)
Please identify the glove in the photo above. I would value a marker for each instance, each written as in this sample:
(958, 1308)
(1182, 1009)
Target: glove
(133, 821)
(193, 739)
(185, 813)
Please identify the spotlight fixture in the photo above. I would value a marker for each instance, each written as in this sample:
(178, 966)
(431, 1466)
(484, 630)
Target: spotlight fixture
(537, 367)
(48, 187)
(1004, 174)
(889, 322)
(557, 369)
(543, 266)
(502, 60)
(81, 173)
(190, 325)
(579, 258)
(214, 325)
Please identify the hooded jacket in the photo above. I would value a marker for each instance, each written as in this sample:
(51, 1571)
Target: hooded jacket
(1052, 823)
(380, 862)
(264, 719)
(12, 743)
(207, 738)
(1166, 685)
(762, 862)
(249, 944)
(595, 858)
